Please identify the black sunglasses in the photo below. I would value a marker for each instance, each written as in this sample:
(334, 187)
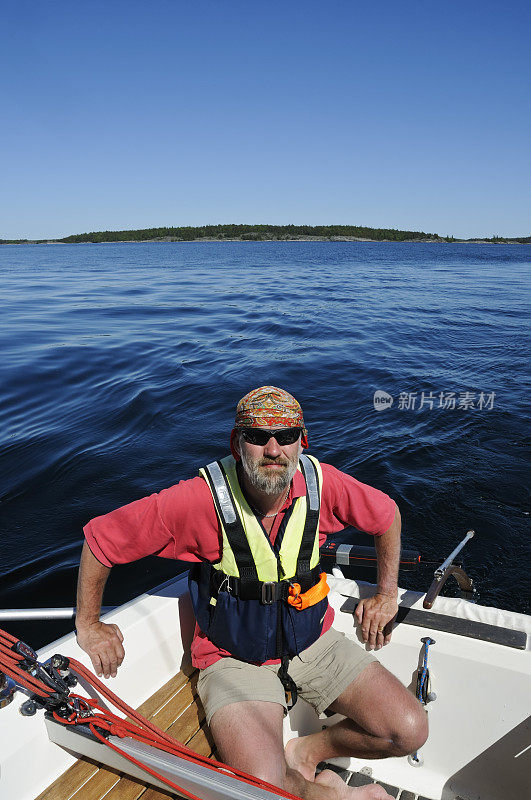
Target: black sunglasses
(261, 437)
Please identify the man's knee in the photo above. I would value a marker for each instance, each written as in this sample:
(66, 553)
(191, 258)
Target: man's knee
(410, 731)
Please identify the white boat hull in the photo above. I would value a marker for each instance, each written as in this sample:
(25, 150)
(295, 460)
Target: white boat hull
(478, 723)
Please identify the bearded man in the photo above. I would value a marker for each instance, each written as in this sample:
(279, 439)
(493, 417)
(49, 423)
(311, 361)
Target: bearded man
(252, 524)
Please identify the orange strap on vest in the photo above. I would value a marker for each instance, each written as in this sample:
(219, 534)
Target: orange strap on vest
(311, 597)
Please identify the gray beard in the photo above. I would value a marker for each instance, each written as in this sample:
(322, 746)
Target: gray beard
(269, 484)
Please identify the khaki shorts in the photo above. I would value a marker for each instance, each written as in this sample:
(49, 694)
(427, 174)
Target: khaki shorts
(322, 672)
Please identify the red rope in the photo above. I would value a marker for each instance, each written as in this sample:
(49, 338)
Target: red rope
(8, 661)
(107, 721)
(162, 740)
(140, 729)
(8, 636)
(85, 673)
(138, 763)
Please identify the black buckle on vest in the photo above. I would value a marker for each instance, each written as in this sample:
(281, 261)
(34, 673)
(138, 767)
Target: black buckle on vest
(269, 594)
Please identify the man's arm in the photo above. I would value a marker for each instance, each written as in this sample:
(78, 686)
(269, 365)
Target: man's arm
(376, 614)
(102, 642)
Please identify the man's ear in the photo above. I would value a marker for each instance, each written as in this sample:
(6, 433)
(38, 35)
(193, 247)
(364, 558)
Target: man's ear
(235, 444)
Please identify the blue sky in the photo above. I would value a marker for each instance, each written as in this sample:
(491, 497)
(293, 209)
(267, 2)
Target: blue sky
(121, 115)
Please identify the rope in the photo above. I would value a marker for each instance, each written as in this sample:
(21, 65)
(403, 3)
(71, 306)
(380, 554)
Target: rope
(87, 711)
(8, 665)
(159, 738)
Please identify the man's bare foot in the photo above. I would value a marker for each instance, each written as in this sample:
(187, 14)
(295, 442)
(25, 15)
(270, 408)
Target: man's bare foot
(332, 780)
(297, 758)
(296, 755)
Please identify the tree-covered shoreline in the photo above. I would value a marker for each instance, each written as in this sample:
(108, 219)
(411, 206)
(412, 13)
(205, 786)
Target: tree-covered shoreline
(261, 233)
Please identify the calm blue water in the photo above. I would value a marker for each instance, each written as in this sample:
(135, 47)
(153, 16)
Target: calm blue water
(121, 366)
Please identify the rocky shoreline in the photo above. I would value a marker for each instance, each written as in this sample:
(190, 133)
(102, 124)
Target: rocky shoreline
(166, 239)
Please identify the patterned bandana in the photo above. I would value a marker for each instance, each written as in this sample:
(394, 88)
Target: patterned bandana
(268, 407)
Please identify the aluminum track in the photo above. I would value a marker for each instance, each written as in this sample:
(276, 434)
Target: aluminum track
(208, 784)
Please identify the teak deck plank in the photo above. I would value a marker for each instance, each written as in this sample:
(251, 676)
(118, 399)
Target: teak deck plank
(173, 708)
(98, 786)
(70, 781)
(188, 723)
(163, 695)
(202, 743)
(126, 789)
(158, 794)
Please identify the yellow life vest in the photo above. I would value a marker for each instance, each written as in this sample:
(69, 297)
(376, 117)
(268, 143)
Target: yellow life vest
(242, 603)
(269, 565)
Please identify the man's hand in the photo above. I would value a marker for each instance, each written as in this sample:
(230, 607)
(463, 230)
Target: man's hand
(103, 643)
(376, 615)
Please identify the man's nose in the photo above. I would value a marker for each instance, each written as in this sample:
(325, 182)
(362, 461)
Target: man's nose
(272, 448)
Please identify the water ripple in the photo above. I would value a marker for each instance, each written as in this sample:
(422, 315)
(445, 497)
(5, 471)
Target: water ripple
(121, 366)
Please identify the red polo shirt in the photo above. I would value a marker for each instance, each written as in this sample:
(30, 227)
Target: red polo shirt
(181, 523)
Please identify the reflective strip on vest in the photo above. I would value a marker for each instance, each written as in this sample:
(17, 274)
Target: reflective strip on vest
(222, 492)
(311, 483)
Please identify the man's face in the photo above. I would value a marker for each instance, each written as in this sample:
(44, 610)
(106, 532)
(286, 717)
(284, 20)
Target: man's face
(270, 467)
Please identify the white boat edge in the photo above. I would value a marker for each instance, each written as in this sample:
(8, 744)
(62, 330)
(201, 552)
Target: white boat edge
(478, 732)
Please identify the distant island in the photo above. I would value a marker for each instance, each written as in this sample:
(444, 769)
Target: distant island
(263, 233)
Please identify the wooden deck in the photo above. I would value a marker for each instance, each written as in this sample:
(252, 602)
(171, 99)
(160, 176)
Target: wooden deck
(176, 709)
